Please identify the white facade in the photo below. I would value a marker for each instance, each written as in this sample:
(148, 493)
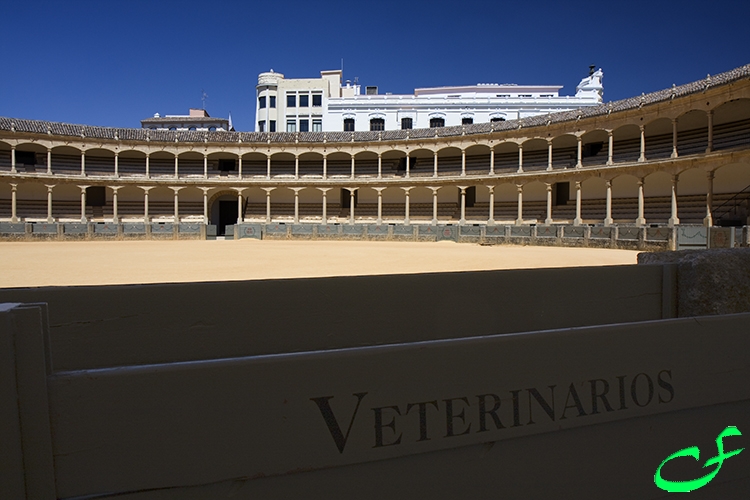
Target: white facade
(325, 104)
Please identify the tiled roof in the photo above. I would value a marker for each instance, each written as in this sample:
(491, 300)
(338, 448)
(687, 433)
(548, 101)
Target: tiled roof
(140, 134)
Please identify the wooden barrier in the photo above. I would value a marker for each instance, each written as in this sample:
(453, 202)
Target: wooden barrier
(488, 384)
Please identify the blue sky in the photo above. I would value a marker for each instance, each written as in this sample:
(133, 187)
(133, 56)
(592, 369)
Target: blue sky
(114, 63)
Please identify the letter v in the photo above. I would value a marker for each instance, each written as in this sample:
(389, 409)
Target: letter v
(333, 425)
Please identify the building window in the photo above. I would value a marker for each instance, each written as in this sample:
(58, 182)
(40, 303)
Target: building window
(261, 126)
(291, 126)
(304, 100)
(348, 124)
(262, 102)
(467, 121)
(192, 128)
(304, 125)
(272, 101)
(437, 122)
(317, 126)
(317, 100)
(291, 100)
(524, 95)
(172, 128)
(406, 123)
(272, 126)
(495, 119)
(212, 129)
(377, 124)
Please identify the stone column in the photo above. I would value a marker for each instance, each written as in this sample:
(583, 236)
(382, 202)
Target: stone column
(710, 146)
(519, 219)
(240, 219)
(641, 220)
(50, 187)
(13, 202)
(176, 204)
(239, 166)
(406, 208)
(608, 221)
(549, 155)
(610, 147)
(434, 205)
(146, 218)
(205, 166)
(708, 220)
(325, 166)
(642, 156)
(548, 220)
(463, 162)
(674, 138)
(296, 204)
(380, 205)
(462, 220)
(49, 161)
(674, 220)
(115, 217)
(578, 220)
(83, 203)
(520, 158)
(352, 174)
(205, 204)
(492, 161)
(268, 203)
(83, 163)
(380, 166)
(296, 166)
(325, 203)
(12, 159)
(351, 203)
(117, 165)
(148, 172)
(491, 219)
(434, 164)
(407, 165)
(579, 153)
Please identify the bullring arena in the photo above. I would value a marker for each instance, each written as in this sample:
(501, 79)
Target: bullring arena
(625, 174)
(378, 365)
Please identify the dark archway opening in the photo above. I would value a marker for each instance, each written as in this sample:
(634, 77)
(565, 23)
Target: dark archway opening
(227, 215)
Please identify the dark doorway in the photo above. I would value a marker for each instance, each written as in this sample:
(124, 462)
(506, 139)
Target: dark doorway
(227, 215)
(471, 196)
(561, 193)
(96, 196)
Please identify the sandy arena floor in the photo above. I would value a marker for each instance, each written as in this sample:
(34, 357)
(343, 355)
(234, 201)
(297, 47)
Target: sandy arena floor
(30, 264)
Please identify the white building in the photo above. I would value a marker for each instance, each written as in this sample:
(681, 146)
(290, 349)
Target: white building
(198, 120)
(326, 104)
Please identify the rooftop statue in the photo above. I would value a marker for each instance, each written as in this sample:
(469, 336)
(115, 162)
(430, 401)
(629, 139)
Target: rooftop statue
(592, 85)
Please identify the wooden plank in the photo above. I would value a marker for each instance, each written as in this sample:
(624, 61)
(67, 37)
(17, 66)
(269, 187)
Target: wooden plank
(196, 423)
(25, 336)
(97, 327)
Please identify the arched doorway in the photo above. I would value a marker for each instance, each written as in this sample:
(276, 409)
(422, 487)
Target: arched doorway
(223, 211)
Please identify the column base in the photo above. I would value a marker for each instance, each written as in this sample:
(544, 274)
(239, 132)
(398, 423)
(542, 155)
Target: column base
(640, 221)
(461, 222)
(491, 222)
(548, 222)
(708, 221)
(673, 221)
(519, 222)
(608, 221)
(577, 221)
